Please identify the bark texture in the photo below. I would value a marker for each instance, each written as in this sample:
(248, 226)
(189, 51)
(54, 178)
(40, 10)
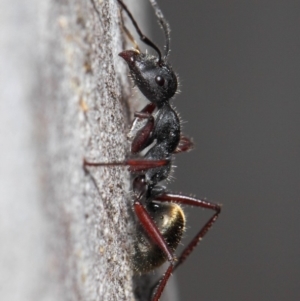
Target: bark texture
(65, 232)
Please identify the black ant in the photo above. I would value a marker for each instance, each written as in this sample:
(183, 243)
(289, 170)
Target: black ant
(160, 219)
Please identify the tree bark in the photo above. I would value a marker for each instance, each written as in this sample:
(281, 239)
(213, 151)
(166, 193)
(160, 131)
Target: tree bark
(66, 233)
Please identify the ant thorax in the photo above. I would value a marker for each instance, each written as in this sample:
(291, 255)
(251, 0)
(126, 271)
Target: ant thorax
(167, 128)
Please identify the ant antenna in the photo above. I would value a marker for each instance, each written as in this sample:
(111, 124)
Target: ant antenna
(142, 36)
(164, 25)
(129, 35)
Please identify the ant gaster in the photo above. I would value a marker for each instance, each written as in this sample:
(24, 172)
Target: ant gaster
(160, 219)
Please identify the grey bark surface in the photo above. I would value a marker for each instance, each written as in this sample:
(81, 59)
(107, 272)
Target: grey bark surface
(65, 233)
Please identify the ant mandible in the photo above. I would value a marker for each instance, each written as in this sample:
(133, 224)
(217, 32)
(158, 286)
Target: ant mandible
(160, 219)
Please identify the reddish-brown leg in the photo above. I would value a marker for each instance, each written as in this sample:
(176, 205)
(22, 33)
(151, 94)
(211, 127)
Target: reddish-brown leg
(149, 108)
(154, 234)
(135, 165)
(185, 200)
(142, 137)
(185, 144)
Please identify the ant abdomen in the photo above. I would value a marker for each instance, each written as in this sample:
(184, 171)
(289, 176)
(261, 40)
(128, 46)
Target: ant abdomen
(155, 79)
(169, 219)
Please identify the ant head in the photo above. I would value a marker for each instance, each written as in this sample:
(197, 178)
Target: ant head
(155, 78)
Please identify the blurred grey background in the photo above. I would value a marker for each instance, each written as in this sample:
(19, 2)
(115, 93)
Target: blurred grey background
(239, 66)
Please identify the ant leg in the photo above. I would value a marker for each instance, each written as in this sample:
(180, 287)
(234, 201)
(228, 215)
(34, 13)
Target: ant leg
(185, 144)
(140, 165)
(129, 35)
(143, 136)
(185, 200)
(154, 234)
(162, 283)
(135, 165)
(149, 108)
(131, 38)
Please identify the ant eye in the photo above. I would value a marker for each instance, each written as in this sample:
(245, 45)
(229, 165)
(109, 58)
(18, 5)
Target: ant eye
(160, 80)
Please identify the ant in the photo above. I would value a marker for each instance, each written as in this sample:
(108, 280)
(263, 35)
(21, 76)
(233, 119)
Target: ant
(160, 218)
